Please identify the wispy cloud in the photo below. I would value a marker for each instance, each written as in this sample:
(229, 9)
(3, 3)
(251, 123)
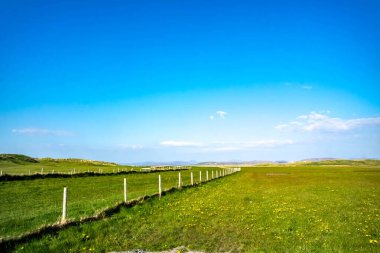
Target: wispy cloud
(211, 117)
(307, 87)
(180, 144)
(41, 132)
(127, 146)
(316, 122)
(297, 85)
(227, 146)
(222, 114)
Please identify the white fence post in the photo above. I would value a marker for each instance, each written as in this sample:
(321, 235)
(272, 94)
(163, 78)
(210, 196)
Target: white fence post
(192, 178)
(212, 174)
(200, 176)
(125, 190)
(206, 175)
(179, 180)
(159, 186)
(64, 205)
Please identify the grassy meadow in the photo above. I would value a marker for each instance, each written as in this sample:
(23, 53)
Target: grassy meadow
(260, 209)
(23, 165)
(27, 205)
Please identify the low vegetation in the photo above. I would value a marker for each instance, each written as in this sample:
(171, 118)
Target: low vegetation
(28, 205)
(261, 209)
(12, 164)
(8, 159)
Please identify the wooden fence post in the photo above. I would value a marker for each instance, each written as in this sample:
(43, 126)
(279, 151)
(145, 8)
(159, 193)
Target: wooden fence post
(64, 205)
(125, 190)
(192, 178)
(206, 175)
(200, 176)
(179, 180)
(159, 186)
(212, 174)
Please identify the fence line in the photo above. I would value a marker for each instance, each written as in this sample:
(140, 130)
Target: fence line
(180, 183)
(67, 174)
(9, 243)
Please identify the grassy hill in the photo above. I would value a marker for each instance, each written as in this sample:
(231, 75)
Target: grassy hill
(22, 164)
(364, 162)
(76, 161)
(16, 159)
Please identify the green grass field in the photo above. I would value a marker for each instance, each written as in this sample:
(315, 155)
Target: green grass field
(261, 209)
(23, 165)
(28, 204)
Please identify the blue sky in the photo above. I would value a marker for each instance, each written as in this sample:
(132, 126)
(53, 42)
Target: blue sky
(132, 81)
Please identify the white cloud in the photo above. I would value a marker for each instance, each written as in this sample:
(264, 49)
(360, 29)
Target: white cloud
(180, 144)
(307, 87)
(127, 146)
(316, 122)
(228, 146)
(41, 132)
(211, 117)
(221, 114)
(239, 146)
(269, 143)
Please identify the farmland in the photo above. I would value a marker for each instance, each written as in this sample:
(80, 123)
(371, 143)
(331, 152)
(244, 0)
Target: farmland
(27, 205)
(19, 164)
(273, 208)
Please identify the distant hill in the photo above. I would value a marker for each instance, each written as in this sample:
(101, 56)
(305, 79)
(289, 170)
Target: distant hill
(240, 163)
(365, 162)
(23, 159)
(17, 159)
(75, 160)
(310, 161)
(319, 159)
(171, 163)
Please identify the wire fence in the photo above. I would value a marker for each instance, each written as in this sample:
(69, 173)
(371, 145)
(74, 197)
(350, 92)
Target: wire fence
(28, 205)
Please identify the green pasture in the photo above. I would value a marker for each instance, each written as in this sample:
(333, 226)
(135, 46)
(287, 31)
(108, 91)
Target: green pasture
(260, 209)
(29, 204)
(26, 165)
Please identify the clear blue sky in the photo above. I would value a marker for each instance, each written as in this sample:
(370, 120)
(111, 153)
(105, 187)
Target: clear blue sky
(132, 81)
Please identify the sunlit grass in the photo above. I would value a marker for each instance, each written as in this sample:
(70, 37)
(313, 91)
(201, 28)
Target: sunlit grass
(27, 205)
(271, 209)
